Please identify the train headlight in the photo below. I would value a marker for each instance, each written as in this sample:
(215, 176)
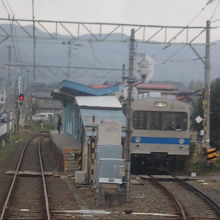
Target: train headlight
(160, 104)
(181, 141)
(137, 139)
(111, 180)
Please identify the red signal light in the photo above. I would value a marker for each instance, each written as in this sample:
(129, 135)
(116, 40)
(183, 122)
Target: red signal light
(21, 97)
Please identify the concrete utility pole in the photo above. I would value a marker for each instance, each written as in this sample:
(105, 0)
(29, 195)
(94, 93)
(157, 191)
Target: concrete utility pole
(8, 90)
(128, 112)
(34, 62)
(34, 42)
(123, 73)
(69, 57)
(206, 101)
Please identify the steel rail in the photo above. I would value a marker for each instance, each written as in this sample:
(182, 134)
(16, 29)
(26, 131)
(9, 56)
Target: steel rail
(180, 209)
(43, 179)
(213, 204)
(5, 206)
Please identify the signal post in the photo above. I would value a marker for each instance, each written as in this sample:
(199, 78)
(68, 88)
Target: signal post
(210, 153)
(18, 103)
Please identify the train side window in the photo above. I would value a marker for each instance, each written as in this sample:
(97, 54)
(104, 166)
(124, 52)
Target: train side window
(138, 120)
(155, 120)
(142, 120)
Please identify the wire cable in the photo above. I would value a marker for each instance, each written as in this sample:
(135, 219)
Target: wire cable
(5, 7)
(175, 53)
(175, 36)
(213, 14)
(10, 9)
(97, 63)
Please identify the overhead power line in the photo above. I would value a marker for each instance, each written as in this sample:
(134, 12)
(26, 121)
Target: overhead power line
(214, 12)
(10, 8)
(97, 63)
(217, 20)
(185, 27)
(63, 67)
(181, 48)
(5, 7)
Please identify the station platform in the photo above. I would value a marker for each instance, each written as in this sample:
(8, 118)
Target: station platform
(68, 152)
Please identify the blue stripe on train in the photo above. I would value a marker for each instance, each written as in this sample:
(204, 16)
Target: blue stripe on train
(159, 140)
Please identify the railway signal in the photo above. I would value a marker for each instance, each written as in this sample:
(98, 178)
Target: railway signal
(21, 97)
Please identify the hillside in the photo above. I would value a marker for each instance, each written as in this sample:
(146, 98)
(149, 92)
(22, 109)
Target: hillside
(184, 67)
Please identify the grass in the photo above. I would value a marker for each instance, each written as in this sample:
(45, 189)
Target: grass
(36, 127)
(202, 167)
(197, 163)
(16, 137)
(9, 145)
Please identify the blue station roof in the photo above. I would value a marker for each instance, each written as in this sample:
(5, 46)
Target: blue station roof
(69, 88)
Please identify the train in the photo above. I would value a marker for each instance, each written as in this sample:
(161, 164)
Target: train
(160, 135)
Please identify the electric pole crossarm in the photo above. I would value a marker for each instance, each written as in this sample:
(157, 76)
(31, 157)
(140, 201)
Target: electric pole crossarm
(195, 51)
(5, 32)
(45, 29)
(102, 31)
(24, 29)
(67, 30)
(109, 33)
(6, 38)
(155, 34)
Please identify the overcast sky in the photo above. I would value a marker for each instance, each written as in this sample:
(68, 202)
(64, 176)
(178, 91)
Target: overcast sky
(157, 12)
(162, 12)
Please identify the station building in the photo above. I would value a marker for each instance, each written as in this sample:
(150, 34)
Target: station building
(86, 108)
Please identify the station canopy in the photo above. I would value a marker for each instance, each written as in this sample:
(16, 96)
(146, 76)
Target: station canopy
(68, 89)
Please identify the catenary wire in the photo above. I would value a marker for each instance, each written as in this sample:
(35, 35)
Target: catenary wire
(176, 52)
(10, 8)
(5, 7)
(214, 12)
(191, 21)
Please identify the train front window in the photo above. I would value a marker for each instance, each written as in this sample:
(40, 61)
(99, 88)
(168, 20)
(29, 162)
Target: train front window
(154, 120)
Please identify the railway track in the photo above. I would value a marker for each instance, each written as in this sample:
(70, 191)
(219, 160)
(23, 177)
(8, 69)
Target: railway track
(27, 196)
(187, 201)
(212, 204)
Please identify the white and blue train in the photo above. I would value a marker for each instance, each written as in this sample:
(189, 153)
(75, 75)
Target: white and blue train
(160, 134)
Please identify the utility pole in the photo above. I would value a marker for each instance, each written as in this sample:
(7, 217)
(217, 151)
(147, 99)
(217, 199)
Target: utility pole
(123, 73)
(34, 62)
(34, 42)
(16, 107)
(69, 57)
(8, 90)
(206, 101)
(128, 112)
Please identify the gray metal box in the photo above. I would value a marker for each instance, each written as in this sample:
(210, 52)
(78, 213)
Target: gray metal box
(109, 164)
(109, 151)
(110, 170)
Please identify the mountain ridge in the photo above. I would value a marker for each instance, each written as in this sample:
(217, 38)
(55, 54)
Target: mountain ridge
(184, 67)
